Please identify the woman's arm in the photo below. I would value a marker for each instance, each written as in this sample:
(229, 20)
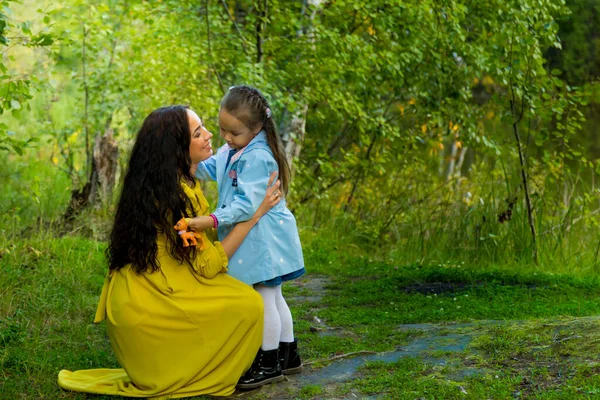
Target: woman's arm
(249, 195)
(252, 175)
(235, 238)
(207, 169)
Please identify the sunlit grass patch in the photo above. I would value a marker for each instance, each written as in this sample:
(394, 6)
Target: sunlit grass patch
(410, 378)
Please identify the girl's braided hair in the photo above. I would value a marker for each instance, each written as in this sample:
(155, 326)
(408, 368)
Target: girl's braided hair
(250, 106)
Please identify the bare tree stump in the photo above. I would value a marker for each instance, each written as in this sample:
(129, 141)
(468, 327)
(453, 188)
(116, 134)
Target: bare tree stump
(106, 157)
(99, 188)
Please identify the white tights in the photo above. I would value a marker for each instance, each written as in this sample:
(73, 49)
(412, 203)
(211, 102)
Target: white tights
(278, 326)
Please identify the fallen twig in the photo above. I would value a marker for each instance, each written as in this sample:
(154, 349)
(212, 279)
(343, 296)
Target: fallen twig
(341, 356)
(558, 341)
(568, 338)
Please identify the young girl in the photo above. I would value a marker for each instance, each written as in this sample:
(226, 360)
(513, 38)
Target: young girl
(271, 253)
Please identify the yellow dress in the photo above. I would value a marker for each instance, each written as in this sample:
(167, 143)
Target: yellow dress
(176, 332)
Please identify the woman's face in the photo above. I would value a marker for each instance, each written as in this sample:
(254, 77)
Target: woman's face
(235, 132)
(200, 145)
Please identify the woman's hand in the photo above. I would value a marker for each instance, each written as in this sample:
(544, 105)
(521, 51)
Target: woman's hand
(234, 239)
(272, 198)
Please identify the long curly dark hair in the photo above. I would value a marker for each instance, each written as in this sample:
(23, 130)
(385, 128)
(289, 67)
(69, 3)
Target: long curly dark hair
(152, 199)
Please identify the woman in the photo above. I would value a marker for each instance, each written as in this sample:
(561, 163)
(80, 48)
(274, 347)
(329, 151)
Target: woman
(178, 325)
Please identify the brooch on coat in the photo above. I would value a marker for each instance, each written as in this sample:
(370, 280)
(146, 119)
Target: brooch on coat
(233, 175)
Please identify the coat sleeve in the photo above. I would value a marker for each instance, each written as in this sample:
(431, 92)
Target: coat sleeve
(252, 183)
(207, 169)
(211, 261)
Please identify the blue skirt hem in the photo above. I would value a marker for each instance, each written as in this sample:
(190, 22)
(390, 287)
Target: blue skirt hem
(280, 279)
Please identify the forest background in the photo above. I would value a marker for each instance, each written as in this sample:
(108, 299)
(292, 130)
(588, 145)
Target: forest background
(420, 132)
(440, 130)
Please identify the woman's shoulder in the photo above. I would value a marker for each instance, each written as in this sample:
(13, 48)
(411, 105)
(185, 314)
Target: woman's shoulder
(191, 188)
(196, 196)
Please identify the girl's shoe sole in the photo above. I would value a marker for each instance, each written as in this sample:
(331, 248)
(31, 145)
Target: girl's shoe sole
(292, 371)
(246, 386)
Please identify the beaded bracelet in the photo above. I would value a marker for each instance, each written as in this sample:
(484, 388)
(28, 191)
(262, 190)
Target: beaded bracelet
(215, 220)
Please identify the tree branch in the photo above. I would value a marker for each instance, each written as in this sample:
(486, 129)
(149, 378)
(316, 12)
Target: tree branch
(235, 25)
(88, 155)
(212, 64)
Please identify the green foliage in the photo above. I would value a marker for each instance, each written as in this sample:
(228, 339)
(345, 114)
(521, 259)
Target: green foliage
(16, 86)
(578, 56)
(31, 193)
(408, 178)
(409, 140)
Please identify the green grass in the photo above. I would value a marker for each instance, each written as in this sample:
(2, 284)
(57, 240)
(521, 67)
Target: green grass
(368, 300)
(414, 294)
(364, 291)
(49, 289)
(537, 359)
(310, 392)
(411, 378)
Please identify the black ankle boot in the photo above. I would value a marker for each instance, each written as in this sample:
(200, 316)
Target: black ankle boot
(265, 369)
(289, 358)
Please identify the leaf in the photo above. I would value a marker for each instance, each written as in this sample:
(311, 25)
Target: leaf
(43, 40)
(26, 27)
(556, 72)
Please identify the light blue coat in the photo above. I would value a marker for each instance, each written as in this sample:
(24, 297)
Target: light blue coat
(272, 248)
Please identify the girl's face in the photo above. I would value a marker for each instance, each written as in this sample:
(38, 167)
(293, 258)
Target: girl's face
(200, 145)
(235, 132)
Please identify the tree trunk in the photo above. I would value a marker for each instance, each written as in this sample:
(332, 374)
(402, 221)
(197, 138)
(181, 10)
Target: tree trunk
(525, 182)
(239, 12)
(106, 157)
(293, 135)
(461, 159)
(98, 189)
(452, 160)
(294, 131)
